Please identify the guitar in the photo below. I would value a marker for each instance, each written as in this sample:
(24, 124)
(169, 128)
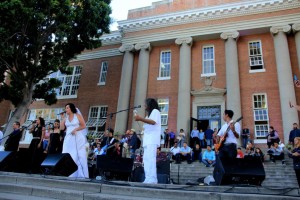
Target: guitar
(109, 146)
(223, 138)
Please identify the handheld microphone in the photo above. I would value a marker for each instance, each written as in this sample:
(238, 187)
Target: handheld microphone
(134, 112)
(64, 112)
(137, 106)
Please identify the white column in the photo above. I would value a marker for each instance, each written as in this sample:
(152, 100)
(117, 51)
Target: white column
(124, 90)
(184, 85)
(142, 80)
(232, 73)
(285, 78)
(296, 29)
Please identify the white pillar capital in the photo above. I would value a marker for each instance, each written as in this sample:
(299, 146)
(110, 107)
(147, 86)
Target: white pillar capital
(232, 34)
(296, 27)
(126, 47)
(276, 29)
(187, 40)
(145, 46)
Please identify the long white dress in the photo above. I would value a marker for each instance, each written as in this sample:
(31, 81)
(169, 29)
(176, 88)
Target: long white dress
(75, 146)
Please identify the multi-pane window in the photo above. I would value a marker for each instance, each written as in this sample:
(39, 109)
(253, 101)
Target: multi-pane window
(163, 105)
(70, 83)
(165, 64)
(96, 121)
(261, 117)
(255, 55)
(208, 60)
(49, 115)
(103, 73)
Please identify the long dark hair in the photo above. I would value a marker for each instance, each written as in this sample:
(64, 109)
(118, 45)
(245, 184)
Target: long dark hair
(72, 107)
(151, 104)
(42, 121)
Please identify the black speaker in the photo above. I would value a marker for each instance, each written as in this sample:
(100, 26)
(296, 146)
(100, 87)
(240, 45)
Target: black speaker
(163, 167)
(59, 165)
(112, 164)
(248, 170)
(6, 160)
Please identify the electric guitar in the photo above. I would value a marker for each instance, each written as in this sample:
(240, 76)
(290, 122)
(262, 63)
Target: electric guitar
(223, 138)
(109, 146)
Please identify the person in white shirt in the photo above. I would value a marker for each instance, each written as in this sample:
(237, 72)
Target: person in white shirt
(175, 152)
(230, 131)
(151, 140)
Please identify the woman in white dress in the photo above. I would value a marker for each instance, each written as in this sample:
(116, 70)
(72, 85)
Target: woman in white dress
(74, 142)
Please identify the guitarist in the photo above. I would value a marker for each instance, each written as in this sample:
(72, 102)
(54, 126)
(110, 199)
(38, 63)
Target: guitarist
(230, 135)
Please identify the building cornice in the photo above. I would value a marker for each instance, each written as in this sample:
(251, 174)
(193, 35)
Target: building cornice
(237, 9)
(98, 54)
(112, 38)
(253, 24)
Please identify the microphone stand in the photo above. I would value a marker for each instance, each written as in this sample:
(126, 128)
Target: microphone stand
(110, 115)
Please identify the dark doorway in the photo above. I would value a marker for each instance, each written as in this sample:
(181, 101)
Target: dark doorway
(201, 124)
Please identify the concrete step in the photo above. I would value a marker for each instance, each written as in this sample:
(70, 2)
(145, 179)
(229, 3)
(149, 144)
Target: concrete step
(66, 188)
(10, 196)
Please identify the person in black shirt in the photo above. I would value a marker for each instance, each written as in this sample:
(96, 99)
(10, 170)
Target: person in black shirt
(36, 147)
(12, 143)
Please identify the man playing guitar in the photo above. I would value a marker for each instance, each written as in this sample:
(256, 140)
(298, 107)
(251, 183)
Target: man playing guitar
(229, 148)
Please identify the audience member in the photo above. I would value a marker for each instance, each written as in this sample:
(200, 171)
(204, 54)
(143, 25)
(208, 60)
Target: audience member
(272, 137)
(260, 154)
(201, 139)
(245, 136)
(194, 137)
(197, 155)
(240, 153)
(175, 152)
(209, 157)
(181, 138)
(209, 136)
(294, 133)
(172, 138)
(167, 138)
(160, 156)
(133, 143)
(186, 153)
(276, 153)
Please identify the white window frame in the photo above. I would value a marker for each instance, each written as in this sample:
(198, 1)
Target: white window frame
(261, 124)
(254, 58)
(103, 73)
(164, 113)
(74, 80)
(96, 120)
(161, 66)
(49, 114)
(204, 61)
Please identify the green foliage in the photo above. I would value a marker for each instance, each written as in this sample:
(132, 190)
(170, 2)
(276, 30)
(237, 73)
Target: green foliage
(38, 37)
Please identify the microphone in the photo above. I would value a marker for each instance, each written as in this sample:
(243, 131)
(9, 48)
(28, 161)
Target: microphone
(139, 106)
(64, 112)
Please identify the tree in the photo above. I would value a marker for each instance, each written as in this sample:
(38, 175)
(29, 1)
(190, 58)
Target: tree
(38, 37)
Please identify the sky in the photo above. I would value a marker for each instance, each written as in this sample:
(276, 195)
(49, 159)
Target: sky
(120, 9)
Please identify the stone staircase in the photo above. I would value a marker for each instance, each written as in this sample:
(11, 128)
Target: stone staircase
(277, 175)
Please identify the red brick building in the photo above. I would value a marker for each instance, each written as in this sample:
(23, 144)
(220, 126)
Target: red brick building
(198, 58)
